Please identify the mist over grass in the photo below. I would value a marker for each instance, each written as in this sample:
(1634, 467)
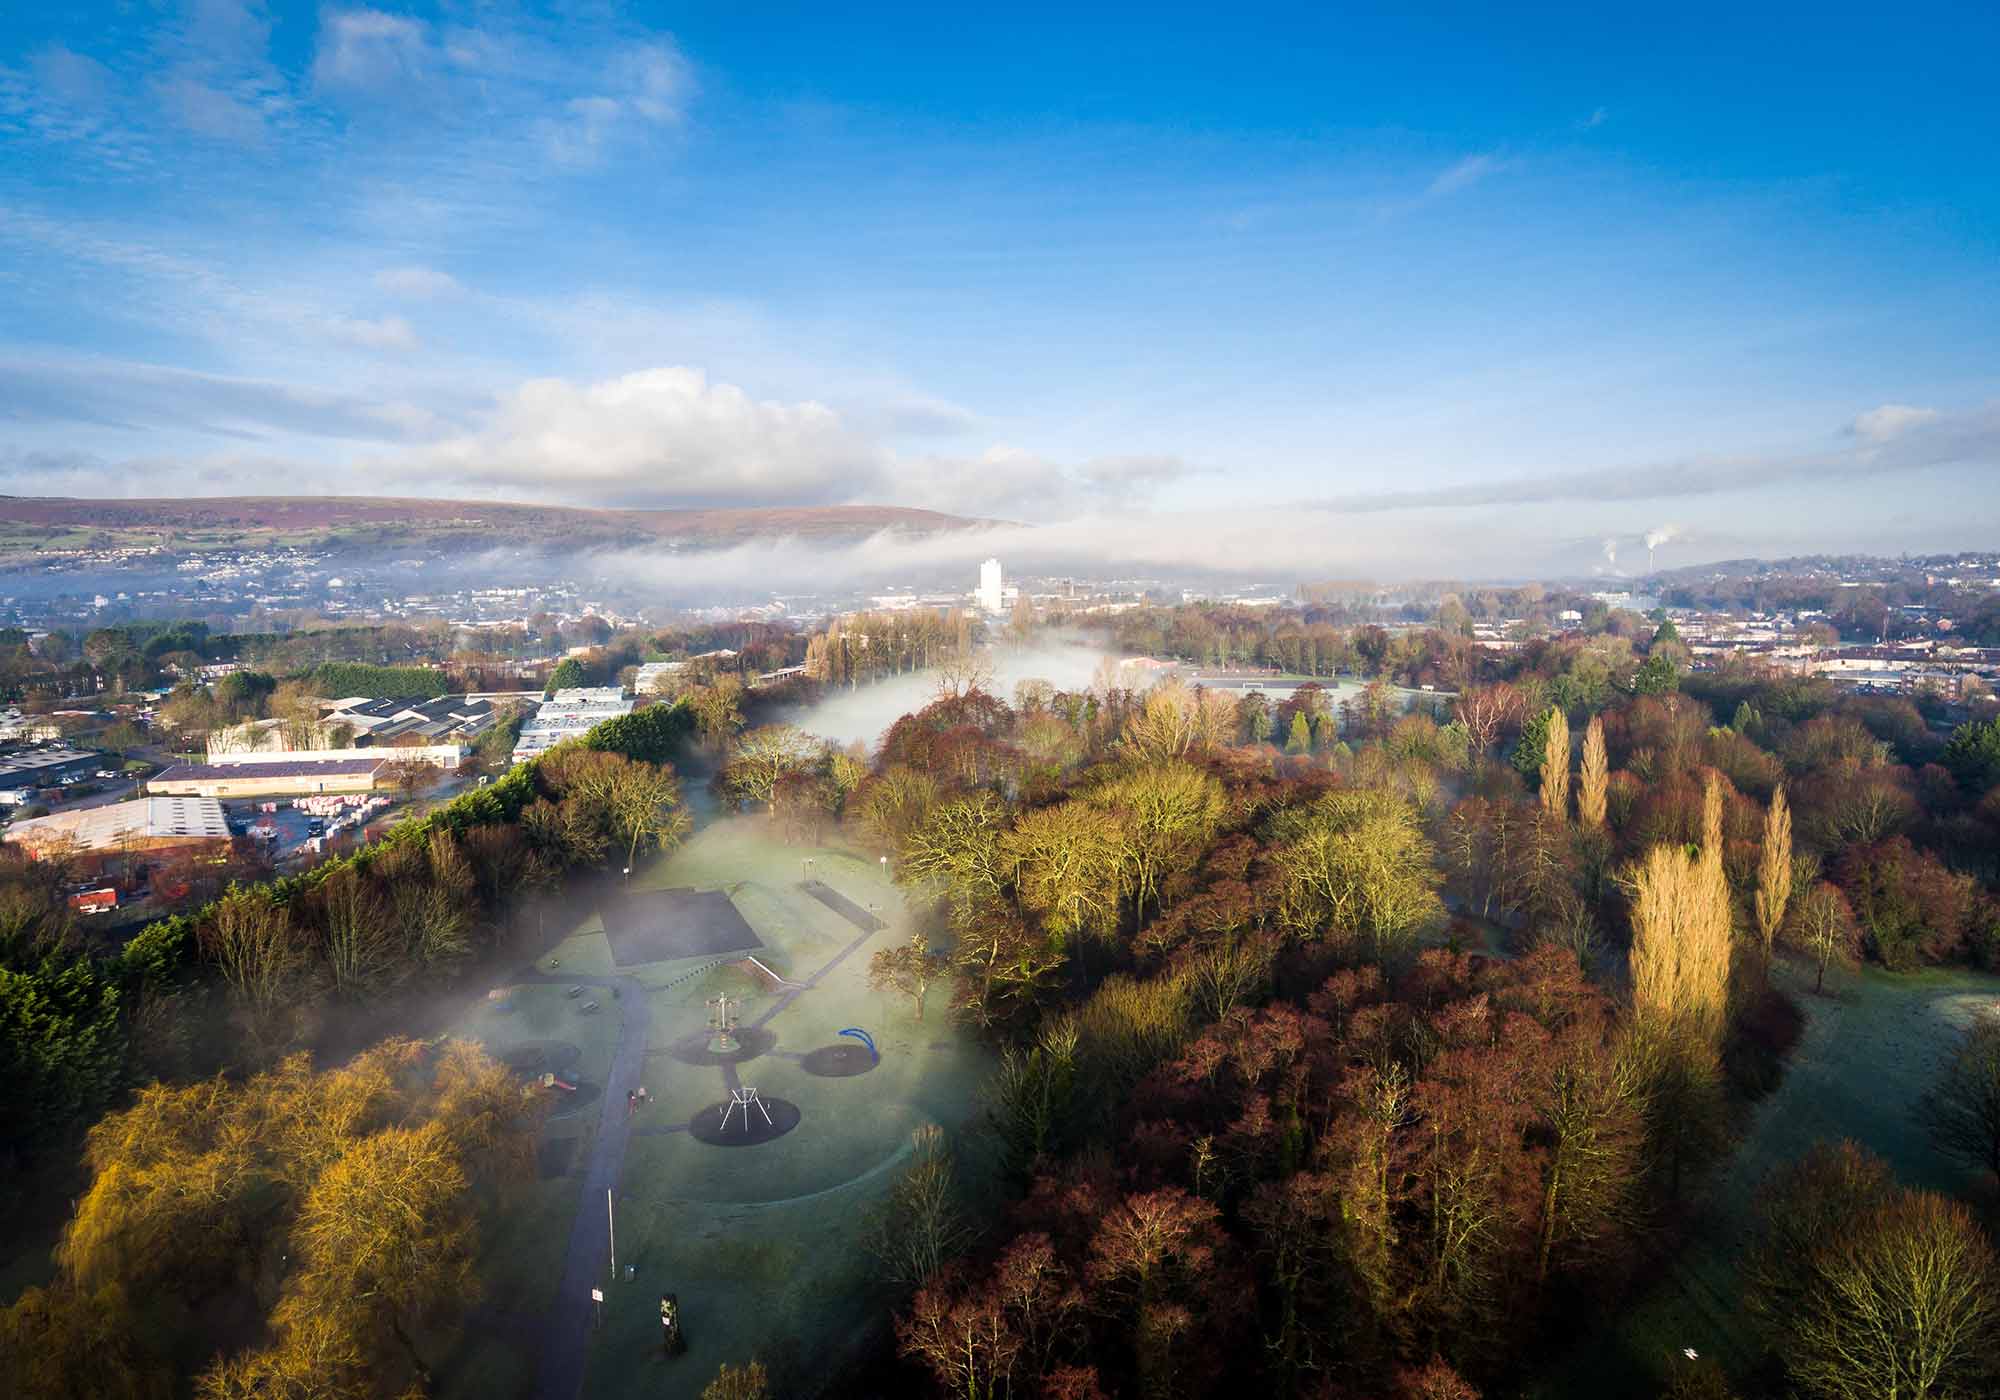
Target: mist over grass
(1066, 660)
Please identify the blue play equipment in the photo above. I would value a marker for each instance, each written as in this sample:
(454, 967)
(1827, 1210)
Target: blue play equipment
(867, 1040)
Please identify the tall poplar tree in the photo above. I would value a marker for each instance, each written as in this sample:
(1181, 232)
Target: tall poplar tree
(1555, 765)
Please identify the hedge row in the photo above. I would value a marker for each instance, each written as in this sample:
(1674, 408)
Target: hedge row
(340, 679)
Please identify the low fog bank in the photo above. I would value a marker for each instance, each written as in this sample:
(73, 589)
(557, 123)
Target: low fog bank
(845, 716)
(1274, 546)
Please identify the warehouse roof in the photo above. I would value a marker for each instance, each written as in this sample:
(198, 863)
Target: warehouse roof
(144, 819)
(295, 768)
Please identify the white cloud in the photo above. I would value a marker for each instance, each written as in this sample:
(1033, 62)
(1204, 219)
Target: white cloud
(418, 283)
(1010, 482)
(1597, 118)
(1897, 439)
(208, 110)
(661, 436)
(368, 50)
(388, 333)
(217, 79)
(74, 78)
(645, 86)
(657, 81)
(71, 392)
(62, 96)
(1891, 420)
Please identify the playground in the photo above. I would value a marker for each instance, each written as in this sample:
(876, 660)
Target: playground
(719, 980)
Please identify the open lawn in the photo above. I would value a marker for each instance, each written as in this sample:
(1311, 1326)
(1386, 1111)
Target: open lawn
(1867, 1053)
(761, 1243)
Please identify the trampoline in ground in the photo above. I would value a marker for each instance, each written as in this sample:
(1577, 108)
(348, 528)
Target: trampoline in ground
(837, 1061)
(649, 926)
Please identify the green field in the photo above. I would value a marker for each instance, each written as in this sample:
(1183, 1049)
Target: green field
(762, 1244)
(1865, 1057)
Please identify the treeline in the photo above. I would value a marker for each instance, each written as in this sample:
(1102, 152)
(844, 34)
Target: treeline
(239, 980)
(1862, 613)
(1318, 641)
(374, 659)
(870, 646)
(143, 655)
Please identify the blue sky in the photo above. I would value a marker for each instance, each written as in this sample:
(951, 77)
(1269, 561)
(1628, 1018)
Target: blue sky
(1418, 292)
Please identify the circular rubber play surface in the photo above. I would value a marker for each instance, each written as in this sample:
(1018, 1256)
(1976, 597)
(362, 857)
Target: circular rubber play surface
(707, 1126)
(838, 1061)
(697, 1049)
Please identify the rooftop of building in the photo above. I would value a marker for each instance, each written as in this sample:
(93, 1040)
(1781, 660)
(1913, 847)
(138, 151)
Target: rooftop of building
(143, 819)
(33, 763)
(289, 768)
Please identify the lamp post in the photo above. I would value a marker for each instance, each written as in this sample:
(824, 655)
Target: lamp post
(805, 869)
(885, 867)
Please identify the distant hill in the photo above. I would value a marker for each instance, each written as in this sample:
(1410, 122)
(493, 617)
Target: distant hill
(37, 524)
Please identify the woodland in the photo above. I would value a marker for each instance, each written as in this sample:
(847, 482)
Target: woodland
(1343, 1050)
(1352, 1053)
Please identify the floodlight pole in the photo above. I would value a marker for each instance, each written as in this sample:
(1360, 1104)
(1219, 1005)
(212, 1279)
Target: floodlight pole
(611, 1224)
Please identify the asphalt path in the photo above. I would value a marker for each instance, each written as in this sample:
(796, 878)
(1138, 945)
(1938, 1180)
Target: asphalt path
(587, 1262)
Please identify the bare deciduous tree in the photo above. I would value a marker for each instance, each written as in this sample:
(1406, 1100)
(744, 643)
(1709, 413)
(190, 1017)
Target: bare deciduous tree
(919, 1227)
(1869, 1289)
(911, 969)
(251, 940)
(1961, 1113)
(1822, 925)
(763, 758)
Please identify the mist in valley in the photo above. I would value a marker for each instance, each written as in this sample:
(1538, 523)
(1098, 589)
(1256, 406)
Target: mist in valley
(1066, 661)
